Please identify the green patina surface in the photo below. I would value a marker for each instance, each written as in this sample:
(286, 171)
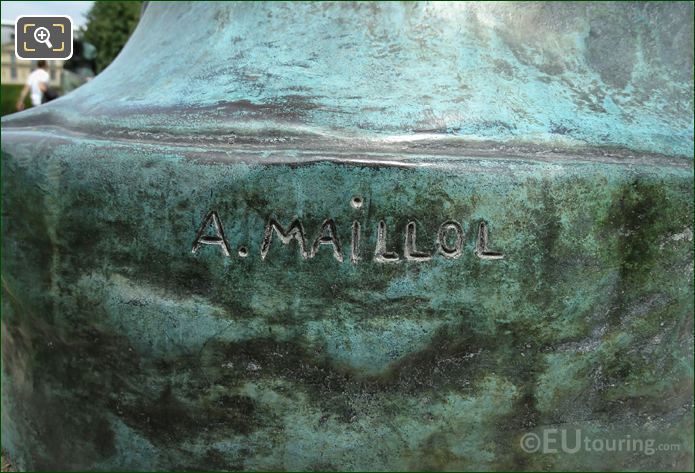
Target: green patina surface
(205, 361)
(121, 348)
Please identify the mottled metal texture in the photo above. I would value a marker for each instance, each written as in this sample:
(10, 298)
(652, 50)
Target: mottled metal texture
(565, 129)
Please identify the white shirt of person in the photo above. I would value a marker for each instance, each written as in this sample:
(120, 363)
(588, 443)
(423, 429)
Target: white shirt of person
(36, 78)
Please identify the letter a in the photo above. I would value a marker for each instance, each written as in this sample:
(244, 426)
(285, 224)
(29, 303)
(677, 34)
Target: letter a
(217, 239)
(328, 239)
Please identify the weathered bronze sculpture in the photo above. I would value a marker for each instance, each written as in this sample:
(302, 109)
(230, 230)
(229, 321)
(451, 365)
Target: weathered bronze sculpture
(357, 236)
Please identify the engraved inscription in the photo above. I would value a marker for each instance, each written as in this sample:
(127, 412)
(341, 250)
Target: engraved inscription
(328, 235)
(449, 243)
(355, 242)
(380, 254)
(481, 249)
(445, 248)
(294, 232)
(356, 202)
(409, 250)
(201, 238)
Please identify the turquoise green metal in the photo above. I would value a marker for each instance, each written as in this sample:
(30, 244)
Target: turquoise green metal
(317, 236)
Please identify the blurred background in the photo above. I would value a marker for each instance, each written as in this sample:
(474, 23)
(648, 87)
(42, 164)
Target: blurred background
(101, 29)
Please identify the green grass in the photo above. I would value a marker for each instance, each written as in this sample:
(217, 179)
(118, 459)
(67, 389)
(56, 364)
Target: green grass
(10, 94)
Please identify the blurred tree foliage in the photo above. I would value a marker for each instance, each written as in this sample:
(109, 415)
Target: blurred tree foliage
(109, 25)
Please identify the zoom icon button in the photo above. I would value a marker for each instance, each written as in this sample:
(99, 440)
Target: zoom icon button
(43, 37)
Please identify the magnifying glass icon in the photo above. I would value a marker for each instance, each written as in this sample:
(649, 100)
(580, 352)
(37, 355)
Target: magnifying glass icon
(42, 35)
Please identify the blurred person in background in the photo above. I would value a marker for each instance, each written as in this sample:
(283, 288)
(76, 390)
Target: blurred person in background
(37, 83)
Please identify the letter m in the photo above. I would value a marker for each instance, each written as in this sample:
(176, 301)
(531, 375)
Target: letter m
(294, 232)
